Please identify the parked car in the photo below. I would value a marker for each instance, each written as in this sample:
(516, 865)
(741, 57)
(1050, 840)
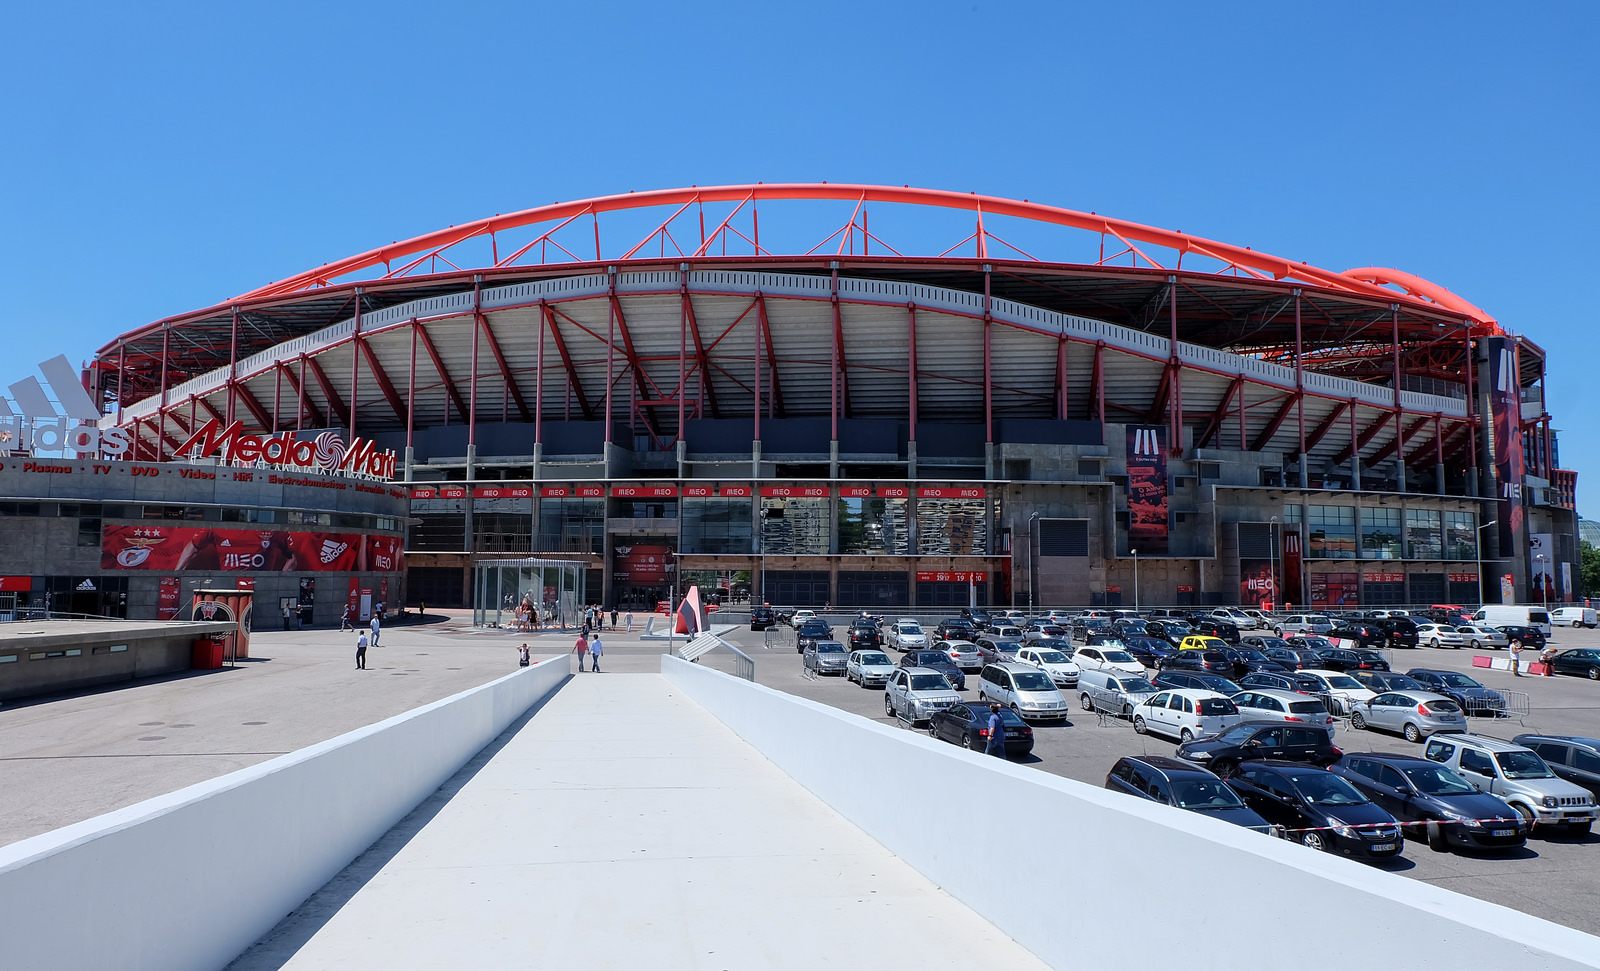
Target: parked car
(906, 635)
(992, 648)
(1440, 635)
(1258, 619)
(963, 654)
(967, 725)
(1182, 661)
(864, 634)
(1481, 638)
(1370, 661)
(980, 619)
(1294, 658)
(825, 657)
(1575, 758)
(1517, 775)
(1381, 681)
(1303, 624)
(1468, 692)
(1247, 659)
(1433, 803)
(1319, 809)
(1414, 714)
(762, 617)
(935, 661)
(1174, 783)
(1530, 636)
(1358, 634)
(1024, 689)
(1281, 681)
(869, 669)
(808, 632)
(1574, 617)
(801, 616)
(1006, 631)
(1106, 658)
(1126, 627)
(1263, 642)
(1198, 680)
(1053, 662)
(1201, 642)
(1338, 659)
(1040, 632)
(1212, 627)
(1234, 616)
(1581, 661)
(1184, 713)
(1401, 630)
(1172, 631)
(916, 693)
(1113, 691)
(1341, 691)
(1253, 740)
(1309, 642)
(1274, 704)
(1514, 615)
(1086, 627)
(1148, 650)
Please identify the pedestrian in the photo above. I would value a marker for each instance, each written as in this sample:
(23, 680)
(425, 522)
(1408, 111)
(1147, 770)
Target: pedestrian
(522, 655)
(996, 745)
(613, 618)
(286, 613)
(1516, 656)
(344, 619)
(630, 622)
(375, 627)
(595, 650)
(422, 610)
(581, 648)
(1546, 659)
(361, 652)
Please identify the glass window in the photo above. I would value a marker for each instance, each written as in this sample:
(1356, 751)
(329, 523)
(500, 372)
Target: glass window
(1380, 533)
(571, 525)
(874, 526)
(1332, 532)
(717, 526)
(795, 527)
(1335, 589)
(647, 509)
(1424, 539)
(1460, 536)
(1476, 762)
(953, 526)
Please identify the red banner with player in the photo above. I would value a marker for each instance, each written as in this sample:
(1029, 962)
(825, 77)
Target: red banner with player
(1147, 489)
(173, 549)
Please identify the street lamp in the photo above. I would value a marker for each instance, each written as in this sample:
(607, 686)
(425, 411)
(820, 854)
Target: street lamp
(1477, 545)
(1544, 589)
(1033, 559)
(1135, 580)
(1272, 558)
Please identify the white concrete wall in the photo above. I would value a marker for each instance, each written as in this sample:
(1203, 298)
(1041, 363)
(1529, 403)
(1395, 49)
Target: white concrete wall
(193, 878)
(1003, 839)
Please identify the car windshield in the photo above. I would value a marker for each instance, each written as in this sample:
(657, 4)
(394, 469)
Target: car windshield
(910, 629)
(1318, 620)
(1343, 682)
(1204, 794)
(1313, 644)
(1033, 681)
(1250, 654)
(1051, 657)
(931, 658)
(1238, 734)
(1222, 685)
(1269, 642)
(1117, 657)
(830, 647)
(1522, 765)
(1436, 780)
(873, 657)
(1136, 685)
(1322, 789)
(929, 682)
(1455, 680)
(1399, 682)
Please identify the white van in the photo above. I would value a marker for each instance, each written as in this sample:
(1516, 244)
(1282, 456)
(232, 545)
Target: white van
(1524, 615)
(1574, 617)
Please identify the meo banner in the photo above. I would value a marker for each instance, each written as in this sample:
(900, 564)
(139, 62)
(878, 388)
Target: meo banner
(171, 549)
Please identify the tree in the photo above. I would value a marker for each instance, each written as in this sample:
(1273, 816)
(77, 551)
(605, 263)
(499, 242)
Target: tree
(1590, 568)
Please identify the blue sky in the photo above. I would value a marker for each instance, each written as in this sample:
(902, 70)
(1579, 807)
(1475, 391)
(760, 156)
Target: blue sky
(163, 157)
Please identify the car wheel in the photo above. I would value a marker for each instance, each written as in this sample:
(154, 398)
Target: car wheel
(1139, 725)
(1594, 674)
(1314, 840)
(1086, 701)
(1185, 735)
(1127, 711)
(1437, 841)
(1412, 733)
(1477, 645)
(888, 706)
(1527, 815)
(966, 742)
(1434, 643)
(1358, 720)
(932, 732)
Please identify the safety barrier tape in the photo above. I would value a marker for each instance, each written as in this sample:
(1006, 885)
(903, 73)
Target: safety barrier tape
(1403, 824)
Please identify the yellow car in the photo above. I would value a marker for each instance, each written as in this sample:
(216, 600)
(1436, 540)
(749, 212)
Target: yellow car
(1201, 642)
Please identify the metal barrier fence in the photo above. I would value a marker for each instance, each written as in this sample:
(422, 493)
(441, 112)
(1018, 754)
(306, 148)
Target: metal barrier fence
(780, 638)
(1512, 704)
(714, 652)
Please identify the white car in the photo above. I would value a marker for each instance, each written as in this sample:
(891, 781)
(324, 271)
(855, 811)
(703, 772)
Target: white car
(907, 635)
(1340, 691)
(1258, 620)
(1267, 704)
(916, 693)
(1440, 635)
(869, 669)
(1481, 637)
(1107, 659)
(1052, 662)
(1233, 615)
(1185, 713)
(800, 617)
(1005, 630)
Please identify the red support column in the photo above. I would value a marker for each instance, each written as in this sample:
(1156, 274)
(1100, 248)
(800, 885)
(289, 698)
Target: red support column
(300, 416)
(838, 357)
(355, 366)
(411, 387)
(166, 355)
(1175, 400)
(1400, 454)
(683, 345)
(1475, 486)
(911, 367)
(1300, 387)
(538, 377)
(1061, 379)
(233, 359)
(277, 398)
(472, 379)
(122, 371)
(756, 367)
(988, 370)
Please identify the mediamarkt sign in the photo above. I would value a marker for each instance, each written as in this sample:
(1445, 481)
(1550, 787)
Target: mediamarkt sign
(326, 452)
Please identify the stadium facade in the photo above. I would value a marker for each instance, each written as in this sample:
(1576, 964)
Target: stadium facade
(875, 396)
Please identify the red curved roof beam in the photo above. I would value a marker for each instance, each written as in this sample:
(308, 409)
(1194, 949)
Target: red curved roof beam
(1367, 281)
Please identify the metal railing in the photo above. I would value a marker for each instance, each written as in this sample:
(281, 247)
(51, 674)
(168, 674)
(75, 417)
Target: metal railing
(780, 638)
(714, 652)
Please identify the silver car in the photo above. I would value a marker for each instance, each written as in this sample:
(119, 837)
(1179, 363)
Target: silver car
(1483, 637)
(1113, 691)
(825, 657)
(869, 669)
(994, 649)
(963, 654)
(1414, 714)
(916, 693)
(1304, 624)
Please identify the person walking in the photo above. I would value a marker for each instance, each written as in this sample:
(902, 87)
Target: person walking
(1516, 657)
(581, 648)
(613, 619)
(361, 652)
(344, 619)
(522, 655)
(595, 650)
(375, 628)
(422, 611)
(996, 745)
(286, 615)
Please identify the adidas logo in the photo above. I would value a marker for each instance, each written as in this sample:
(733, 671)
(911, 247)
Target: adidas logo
(331, 550)
(1506, 379)
(1147, 442)
(35, 423)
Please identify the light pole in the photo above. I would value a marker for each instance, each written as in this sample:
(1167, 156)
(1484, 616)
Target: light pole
(1135, 580)
(1477, 550)
(1544, 590)
(1272, 558)
(1033, 560)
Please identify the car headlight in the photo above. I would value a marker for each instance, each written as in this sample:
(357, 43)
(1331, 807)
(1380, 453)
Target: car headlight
(1202, 756)
(1550, 802)
(1344, 830)
(1470, 823)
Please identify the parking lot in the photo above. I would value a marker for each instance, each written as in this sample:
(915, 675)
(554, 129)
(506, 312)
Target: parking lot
(1555, 876)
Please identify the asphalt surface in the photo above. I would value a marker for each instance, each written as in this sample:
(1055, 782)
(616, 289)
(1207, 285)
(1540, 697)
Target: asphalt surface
(1555, 876)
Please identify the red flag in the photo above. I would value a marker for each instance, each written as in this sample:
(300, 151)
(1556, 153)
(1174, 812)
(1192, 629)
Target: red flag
(689, 615)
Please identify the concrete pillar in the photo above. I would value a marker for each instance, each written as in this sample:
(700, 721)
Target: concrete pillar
(1438, 478)
(410, 458)
(833, 459)
(911, 459)
(472, 474)
(683, 459)
(988, 461)
(1400, 473)
(538, 461)
(1305, 472)
(755, 459)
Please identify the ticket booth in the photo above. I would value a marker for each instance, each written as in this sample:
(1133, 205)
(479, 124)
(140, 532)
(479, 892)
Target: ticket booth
(227, 605)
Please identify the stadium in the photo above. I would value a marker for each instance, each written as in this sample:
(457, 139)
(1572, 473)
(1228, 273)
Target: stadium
(888, 396)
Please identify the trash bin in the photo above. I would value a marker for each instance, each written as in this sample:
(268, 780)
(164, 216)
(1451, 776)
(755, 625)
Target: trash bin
(207, 653)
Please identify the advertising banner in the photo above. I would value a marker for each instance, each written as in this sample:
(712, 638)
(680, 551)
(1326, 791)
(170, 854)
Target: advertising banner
(352, 601)
(1541, 569)
(1148, 509)
(1566, 582)
(643, 564)
(1255, 582)
(1505, 412)
(1292, 584)
(173, 549)
(167, 599)
(307, 599)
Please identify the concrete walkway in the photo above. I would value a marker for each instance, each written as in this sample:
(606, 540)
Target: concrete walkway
(624, 827)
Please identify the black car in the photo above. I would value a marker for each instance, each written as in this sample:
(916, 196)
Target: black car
(1467, 692)
(1339, 659)
(763, 617)
(1294, 658)
(1171, 631)
(1148, 650)
(1370, 660)
(1129, 627)
(1212, 627)
(1386, 680)
(978, 618)
(1581, 661)
(1318, 808)
(1282, 681)
(1309, 642)
(937, 661)
(1197, 680)
(1263, 642)
(1400, 631)
(1247, 659)
(1364, 633)
(1092, 627)
(955, 629)
(1249, 741)
(1174, 783)
(1574, 758)
(864, 634)
(968, 727)
(1182, 661)
(1529, 636)
(810, 632)
(1435, 802)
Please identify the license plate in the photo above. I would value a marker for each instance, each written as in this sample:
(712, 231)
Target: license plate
(1578, 819)
(1382, 847)
(1502, 832)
